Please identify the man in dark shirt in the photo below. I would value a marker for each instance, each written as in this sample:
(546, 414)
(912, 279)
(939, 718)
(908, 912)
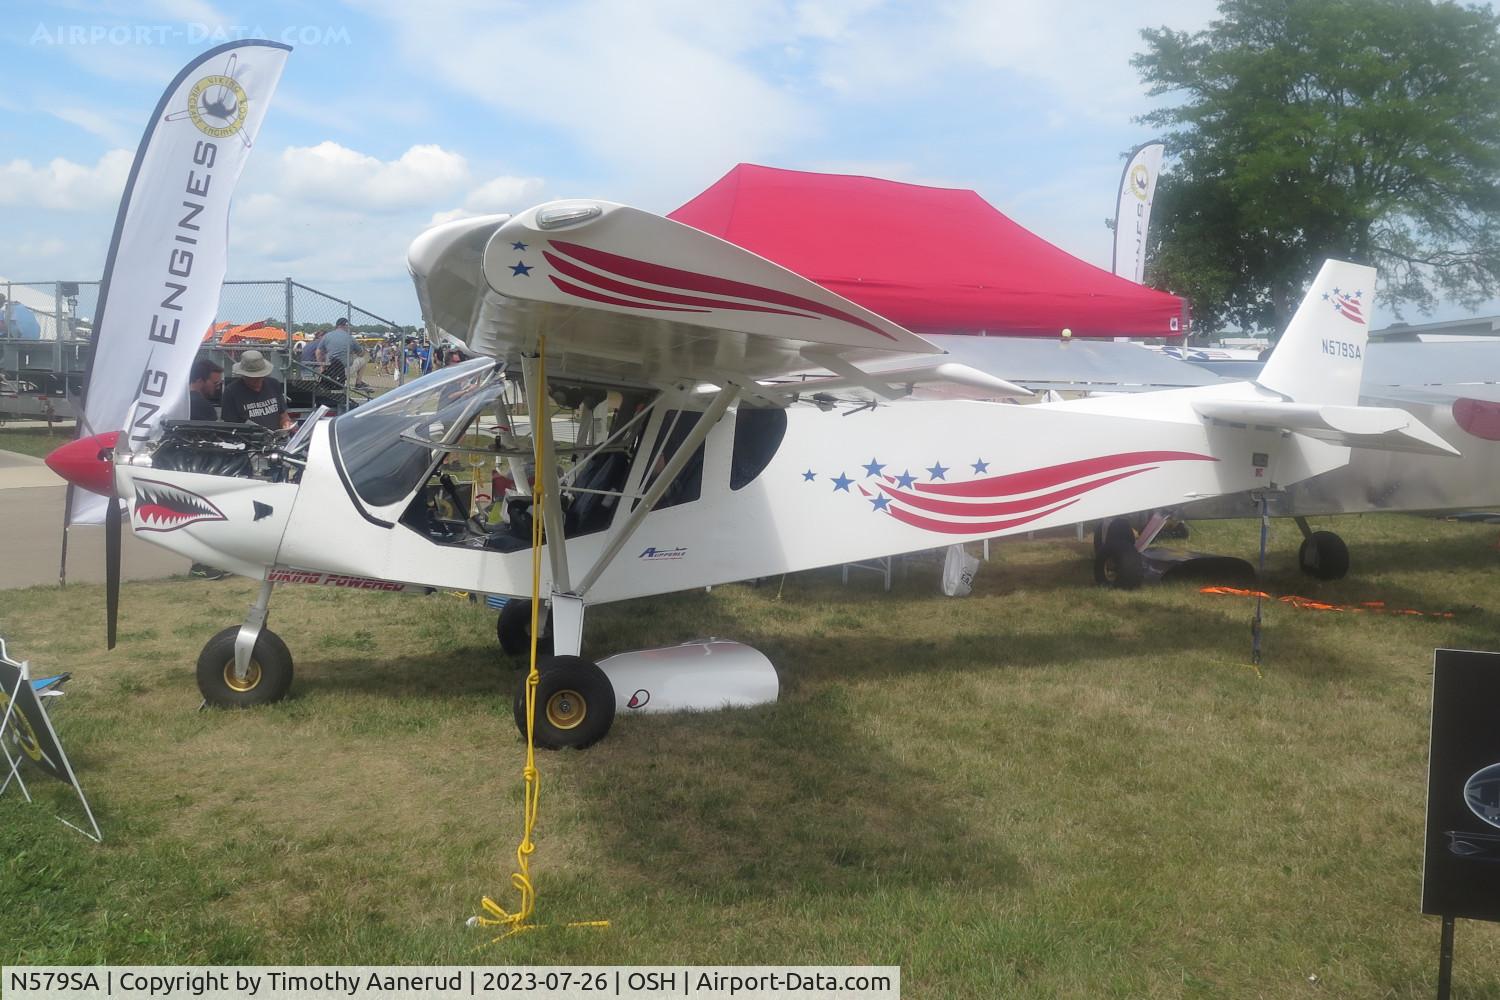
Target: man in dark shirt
(205, 384)
(255, 397)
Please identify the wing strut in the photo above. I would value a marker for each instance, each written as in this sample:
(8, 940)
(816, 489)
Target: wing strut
(711, 416)
(546, 470)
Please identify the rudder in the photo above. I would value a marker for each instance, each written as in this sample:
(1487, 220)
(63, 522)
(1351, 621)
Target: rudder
(1320, 357)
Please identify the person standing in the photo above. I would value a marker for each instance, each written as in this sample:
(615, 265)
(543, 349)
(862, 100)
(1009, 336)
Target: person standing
(335, 350)
(255, 397)
(205, 385)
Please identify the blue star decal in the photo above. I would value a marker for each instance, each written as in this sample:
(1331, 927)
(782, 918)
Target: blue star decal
(881, 503)
(937, 471)
(906, 479)
(842, 483)
(521, 268)
(981, 466)
(518, 246)
(873, 468)
(809, 476)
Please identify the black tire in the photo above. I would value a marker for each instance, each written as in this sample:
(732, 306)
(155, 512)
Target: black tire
(270, 671)
(1119, 566)
(1323, 556)
(513, 629)
(575, 704)
(1115, 531)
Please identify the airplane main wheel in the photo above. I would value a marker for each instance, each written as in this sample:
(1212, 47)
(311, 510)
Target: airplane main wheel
(1115, 531)
(1120, 566)
(514, 629)
(575, 704)
(268, 679)
(1323, 556)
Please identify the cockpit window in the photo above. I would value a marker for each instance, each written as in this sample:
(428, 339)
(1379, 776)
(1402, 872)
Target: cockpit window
(383, 446)
(688, 486)
(757, 434)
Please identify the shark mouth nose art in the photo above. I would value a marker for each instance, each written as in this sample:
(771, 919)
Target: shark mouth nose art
(160, 507)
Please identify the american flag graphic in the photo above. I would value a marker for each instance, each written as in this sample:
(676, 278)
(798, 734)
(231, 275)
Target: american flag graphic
(1347, 305)
(600, 276)
(991, 504)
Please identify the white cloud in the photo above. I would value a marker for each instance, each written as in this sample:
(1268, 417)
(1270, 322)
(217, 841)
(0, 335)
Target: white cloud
(106, 127)
(501, 194)
(342, 176)
(664, 90)
(65, 185)
(1079, 50)
(504, 194)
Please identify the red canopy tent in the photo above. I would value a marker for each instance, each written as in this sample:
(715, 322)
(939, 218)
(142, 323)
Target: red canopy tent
(935, 260)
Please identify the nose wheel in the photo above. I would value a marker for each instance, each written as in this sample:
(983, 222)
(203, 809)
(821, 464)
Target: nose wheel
(266, 678)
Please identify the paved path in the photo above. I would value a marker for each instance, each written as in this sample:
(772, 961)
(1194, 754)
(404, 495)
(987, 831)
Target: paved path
(31, 505)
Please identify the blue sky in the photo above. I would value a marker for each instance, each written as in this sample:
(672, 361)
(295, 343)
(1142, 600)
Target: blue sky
(392, 115)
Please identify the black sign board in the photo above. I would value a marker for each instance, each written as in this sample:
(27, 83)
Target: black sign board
(29, 733)
(1461, 871)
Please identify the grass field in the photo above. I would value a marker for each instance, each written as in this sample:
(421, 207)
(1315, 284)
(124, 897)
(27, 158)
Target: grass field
(1045, 790)
(37, 442)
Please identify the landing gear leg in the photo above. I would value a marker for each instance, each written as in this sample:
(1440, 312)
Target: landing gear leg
(567, 624)
(247, 664)
(255, 620)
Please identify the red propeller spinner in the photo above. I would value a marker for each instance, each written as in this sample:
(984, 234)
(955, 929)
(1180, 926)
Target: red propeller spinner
(86, 463)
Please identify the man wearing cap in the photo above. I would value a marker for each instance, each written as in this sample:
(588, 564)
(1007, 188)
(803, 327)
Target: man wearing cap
(255, 397)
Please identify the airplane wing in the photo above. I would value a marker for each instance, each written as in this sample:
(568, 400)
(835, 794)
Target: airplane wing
(626, 297)
(447, 265)
(1064, 365)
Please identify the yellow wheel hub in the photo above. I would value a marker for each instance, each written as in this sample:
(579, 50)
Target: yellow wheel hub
(566, 709)
(239, 685)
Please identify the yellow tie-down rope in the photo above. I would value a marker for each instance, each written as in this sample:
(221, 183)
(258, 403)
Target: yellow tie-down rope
(519, 921)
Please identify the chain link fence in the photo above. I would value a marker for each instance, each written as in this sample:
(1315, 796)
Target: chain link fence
(47, 327)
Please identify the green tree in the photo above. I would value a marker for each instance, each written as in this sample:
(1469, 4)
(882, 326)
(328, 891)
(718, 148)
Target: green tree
(1306, 129)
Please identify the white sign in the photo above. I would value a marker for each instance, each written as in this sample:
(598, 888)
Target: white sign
(1133, 211)
(167, 259)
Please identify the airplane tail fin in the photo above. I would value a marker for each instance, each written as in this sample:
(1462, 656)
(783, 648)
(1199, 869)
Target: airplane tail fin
(1321, 356)
(1317, 368)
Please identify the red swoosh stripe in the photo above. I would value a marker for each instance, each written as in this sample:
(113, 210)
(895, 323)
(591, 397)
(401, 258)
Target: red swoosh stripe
(584, 293)
(1056, 475)
(572, 270)
(692, 281)
(1008, 506)
(971, 527)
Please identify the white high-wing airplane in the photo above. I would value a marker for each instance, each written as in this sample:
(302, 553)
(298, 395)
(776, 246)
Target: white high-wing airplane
(699, 463)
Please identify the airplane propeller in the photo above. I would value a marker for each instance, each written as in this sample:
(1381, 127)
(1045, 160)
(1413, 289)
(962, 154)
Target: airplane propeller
(87, 463)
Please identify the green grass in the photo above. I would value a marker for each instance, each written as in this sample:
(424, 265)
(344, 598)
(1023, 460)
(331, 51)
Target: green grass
(1045, 790)
(37, 442)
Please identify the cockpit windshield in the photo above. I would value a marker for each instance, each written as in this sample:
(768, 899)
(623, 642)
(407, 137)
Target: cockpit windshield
(385, 447)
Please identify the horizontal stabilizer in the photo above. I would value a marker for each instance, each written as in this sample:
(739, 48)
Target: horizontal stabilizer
(1379, 427)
